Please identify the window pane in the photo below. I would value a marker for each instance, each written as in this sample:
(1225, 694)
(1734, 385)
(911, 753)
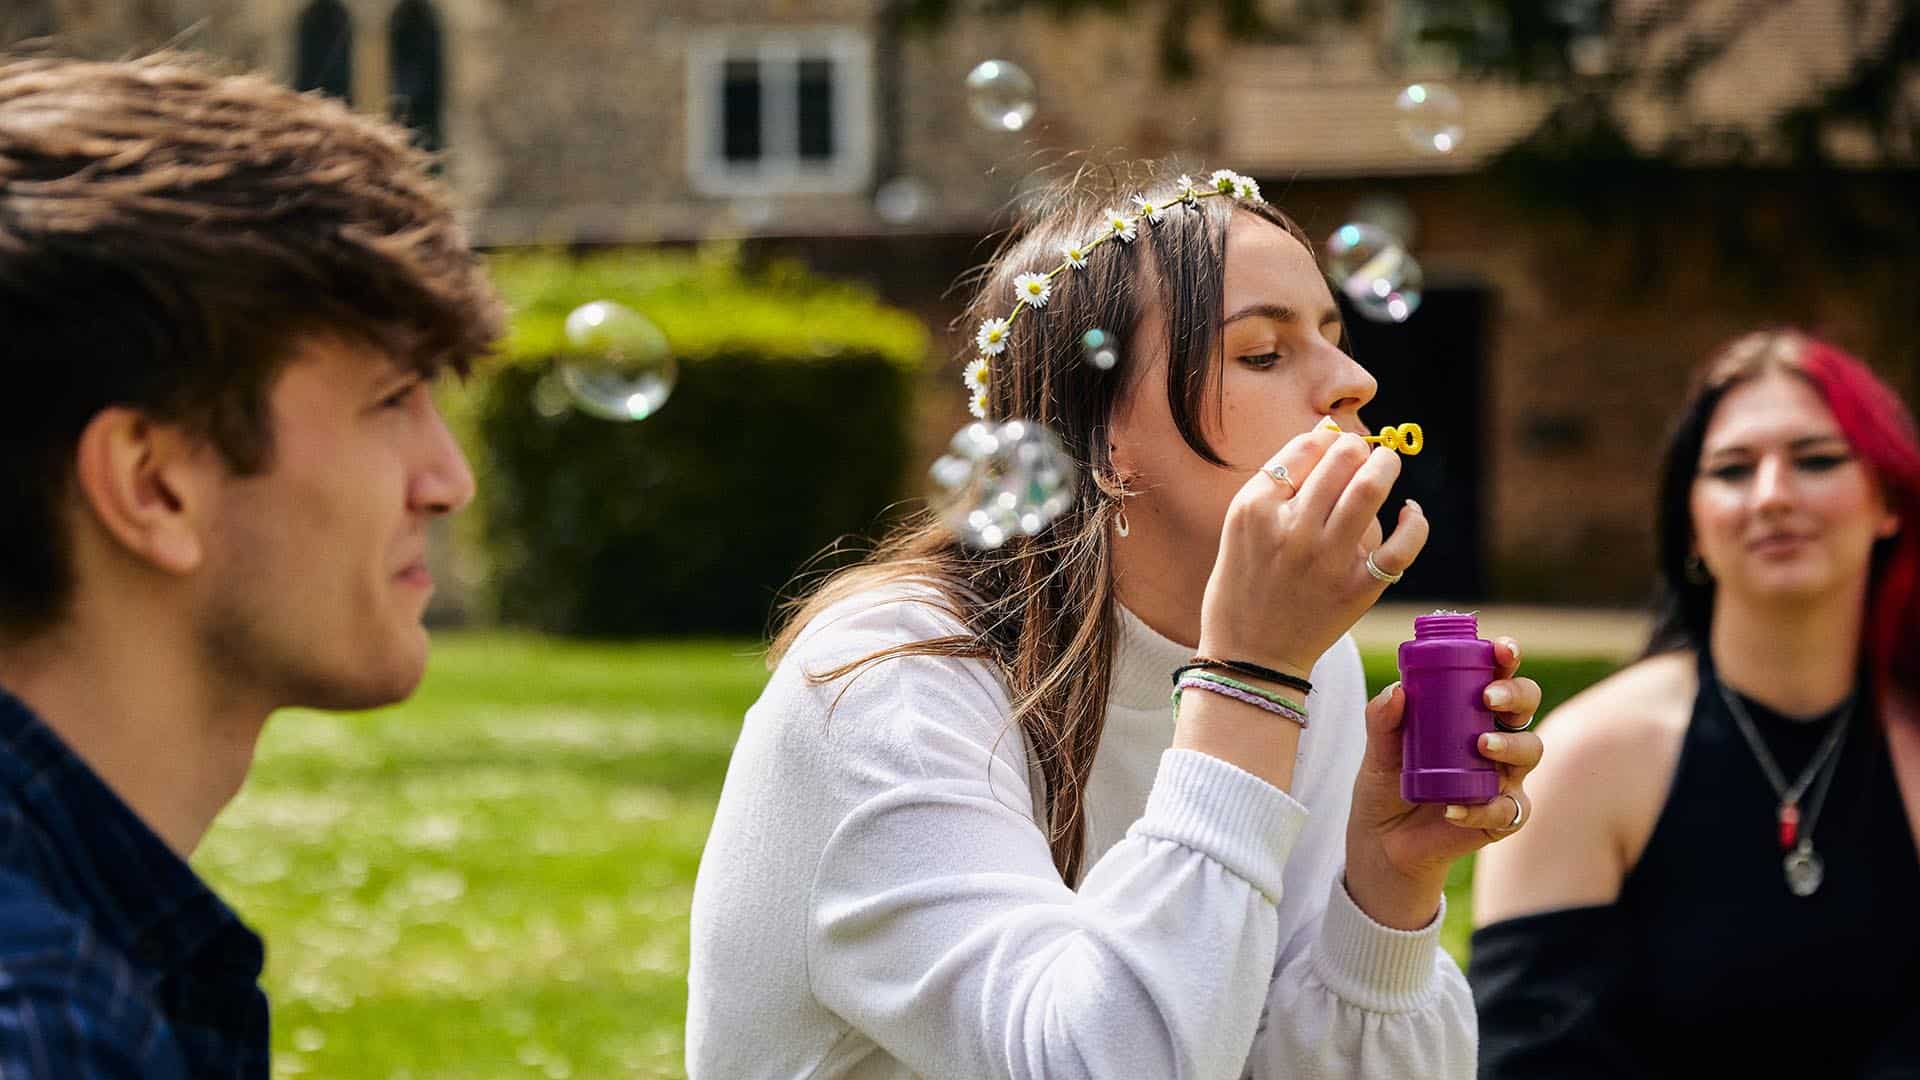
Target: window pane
(326, 50)
(816, 109)
(22, 19)
(413, 50)
(740, 111)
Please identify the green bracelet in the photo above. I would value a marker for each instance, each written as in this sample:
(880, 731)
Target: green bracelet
(1249, 688)
(1286, 703)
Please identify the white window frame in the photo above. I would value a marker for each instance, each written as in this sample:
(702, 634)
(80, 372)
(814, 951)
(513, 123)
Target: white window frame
(780, 169)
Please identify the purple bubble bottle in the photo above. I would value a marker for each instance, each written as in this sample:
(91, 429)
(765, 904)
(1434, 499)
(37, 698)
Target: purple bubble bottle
(1444, 670)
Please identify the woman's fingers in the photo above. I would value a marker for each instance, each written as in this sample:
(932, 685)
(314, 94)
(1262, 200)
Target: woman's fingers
(1296, 460)
(1503, 815)
(1322, 490)
(1365, 494)
(1517, 752)
(1506, 655)
(1515, 699)
(1398, 551)
(1520, 750)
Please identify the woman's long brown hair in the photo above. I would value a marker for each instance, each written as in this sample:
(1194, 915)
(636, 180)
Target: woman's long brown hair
(1041, 610)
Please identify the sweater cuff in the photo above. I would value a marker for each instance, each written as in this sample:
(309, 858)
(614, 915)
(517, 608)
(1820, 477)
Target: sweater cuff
(1375, 967)
(1227, 814)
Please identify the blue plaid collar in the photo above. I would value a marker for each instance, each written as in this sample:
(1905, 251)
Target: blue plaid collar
(136, 893)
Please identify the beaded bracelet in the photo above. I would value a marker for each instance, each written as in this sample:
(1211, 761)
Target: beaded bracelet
(1245, 667)
(1239, 691)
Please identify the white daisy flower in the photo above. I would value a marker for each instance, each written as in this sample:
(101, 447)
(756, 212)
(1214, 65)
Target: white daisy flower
(1149, 209)
(977, 374)
(1122, 226)
(1246, 189)
(1033, 288)
(992, 337)
(1076, 255)
(1224, 181)
(977, 405)
(1188, 193)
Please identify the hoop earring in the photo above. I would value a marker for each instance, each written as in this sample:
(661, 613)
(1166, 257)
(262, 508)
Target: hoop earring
(1695, 569)
(1120, 523)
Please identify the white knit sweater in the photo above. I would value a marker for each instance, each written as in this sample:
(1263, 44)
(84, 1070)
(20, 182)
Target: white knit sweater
(876, 899)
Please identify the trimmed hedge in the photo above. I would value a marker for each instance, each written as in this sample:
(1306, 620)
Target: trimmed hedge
(788, 428)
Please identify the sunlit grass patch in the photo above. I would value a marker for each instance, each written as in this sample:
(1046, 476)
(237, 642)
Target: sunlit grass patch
(493, 879)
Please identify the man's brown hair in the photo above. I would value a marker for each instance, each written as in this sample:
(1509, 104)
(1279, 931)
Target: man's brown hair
(167, 231)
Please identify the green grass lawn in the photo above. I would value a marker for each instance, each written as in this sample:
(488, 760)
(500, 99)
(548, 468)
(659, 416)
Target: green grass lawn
(493, 879)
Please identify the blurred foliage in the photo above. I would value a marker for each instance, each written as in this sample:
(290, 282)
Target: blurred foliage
(1538, 41)
(788, 428)
(707, 303)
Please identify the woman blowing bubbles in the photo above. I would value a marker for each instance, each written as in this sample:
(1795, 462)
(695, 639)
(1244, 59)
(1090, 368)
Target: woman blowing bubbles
(964, 834)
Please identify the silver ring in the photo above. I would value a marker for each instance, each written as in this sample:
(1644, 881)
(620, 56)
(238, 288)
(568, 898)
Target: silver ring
(1519, 812)
(1381, 575)
(1279, 474)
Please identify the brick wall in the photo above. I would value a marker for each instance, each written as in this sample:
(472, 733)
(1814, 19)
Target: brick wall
(567, 123)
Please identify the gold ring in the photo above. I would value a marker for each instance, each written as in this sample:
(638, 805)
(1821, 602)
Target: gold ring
(1279, 474)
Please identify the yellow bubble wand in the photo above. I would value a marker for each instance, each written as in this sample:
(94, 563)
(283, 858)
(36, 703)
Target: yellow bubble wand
(1407, 439)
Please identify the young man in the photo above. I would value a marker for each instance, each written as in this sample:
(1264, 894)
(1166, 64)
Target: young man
(221, 307)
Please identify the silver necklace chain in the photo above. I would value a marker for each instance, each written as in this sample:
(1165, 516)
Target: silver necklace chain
(1802, 866)
(1767, 765)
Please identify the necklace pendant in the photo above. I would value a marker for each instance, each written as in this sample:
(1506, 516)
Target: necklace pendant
(1805, 870)
(1789, 825)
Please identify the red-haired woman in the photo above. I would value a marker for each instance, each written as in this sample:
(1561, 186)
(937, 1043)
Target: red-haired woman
(1720, 877)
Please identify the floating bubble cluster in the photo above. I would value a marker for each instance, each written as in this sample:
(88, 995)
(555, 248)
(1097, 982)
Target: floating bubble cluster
(1001, 95)
(1373, 269)
(1004, 480)
(1431, 117)
(1101, 349)
(618, 365)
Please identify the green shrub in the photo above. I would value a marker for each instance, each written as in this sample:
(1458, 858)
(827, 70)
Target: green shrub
(787, 429)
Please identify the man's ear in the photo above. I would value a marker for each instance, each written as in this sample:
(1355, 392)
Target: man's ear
(148, 485)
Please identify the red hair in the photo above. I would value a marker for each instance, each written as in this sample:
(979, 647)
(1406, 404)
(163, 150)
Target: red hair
(1881, 430)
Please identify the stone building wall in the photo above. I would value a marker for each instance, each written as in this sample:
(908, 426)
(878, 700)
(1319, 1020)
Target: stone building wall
(567, 122)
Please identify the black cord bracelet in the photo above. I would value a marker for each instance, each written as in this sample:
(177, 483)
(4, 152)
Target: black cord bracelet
(1245, 667)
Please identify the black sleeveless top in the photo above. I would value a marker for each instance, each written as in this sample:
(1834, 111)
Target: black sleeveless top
(1708, 965)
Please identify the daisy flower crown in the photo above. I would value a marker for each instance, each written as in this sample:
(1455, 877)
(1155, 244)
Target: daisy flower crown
(1032, 290)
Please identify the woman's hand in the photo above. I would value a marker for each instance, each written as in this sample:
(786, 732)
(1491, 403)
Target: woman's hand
(1398, 852)
(1291, 575)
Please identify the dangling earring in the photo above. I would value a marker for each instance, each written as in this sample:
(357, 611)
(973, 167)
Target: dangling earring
(1696, 570)
(1120, 523)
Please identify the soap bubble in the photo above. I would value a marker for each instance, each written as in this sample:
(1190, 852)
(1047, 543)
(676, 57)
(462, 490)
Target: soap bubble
(901, 200)
(1001, 95)
(618, 365)
(1003, 480)
(1374, 270)
(1430, 117)
(1100, 349)
(1394, 301)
